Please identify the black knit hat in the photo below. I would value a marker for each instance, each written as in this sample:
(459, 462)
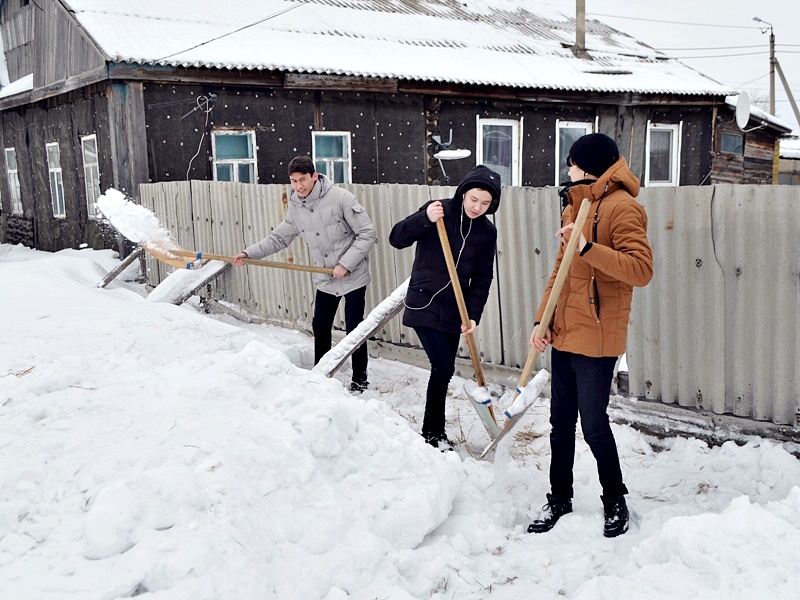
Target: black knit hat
(484, 178)
(593, 153)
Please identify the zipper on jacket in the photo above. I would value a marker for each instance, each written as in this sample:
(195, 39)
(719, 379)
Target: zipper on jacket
(596, 300)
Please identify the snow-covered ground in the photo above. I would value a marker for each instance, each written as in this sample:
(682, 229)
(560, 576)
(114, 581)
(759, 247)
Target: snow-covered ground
(150, 450)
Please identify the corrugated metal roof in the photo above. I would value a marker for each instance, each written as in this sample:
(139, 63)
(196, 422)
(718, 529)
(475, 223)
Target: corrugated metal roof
(510, 43)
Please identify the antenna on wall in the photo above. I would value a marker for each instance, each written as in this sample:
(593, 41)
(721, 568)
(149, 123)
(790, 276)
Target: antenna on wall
(443, 152)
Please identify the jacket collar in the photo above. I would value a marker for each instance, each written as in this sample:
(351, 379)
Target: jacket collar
(617, 176)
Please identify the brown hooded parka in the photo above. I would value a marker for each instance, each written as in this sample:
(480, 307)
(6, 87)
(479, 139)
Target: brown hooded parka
(593, 309)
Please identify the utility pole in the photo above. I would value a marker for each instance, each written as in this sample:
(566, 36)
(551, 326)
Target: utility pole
(771, 64)
(771, 71)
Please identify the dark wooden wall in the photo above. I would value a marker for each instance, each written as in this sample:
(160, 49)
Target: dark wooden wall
(18, 34)
(391, 132)
(387, 130)
(754, 165)
(28, 129)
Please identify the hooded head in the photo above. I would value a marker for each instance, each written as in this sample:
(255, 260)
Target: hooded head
(484, 178)
(593, 153)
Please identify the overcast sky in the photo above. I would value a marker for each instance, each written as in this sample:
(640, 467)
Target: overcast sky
(718, 38)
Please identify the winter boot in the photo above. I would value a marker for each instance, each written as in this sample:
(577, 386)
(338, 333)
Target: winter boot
(616, 513)
(555, 508)
(439, 441)
(358, 387)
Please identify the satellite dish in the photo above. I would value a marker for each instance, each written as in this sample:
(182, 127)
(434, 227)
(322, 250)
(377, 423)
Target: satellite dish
(742, 110)
(452, 154)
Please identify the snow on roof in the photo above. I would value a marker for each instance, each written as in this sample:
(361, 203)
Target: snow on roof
(756, 114)
(23, 84)
(790, 148)
(458, 41)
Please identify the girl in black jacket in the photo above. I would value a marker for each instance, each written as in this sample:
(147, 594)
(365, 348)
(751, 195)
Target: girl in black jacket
(431, 308)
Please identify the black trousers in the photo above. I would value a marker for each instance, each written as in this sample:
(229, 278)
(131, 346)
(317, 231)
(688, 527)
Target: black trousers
(582, 385)
(325, 306)
(441, 348)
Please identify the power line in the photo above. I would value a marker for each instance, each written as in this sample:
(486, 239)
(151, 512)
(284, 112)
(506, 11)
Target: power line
(716, 48)
(722, 55)
(751, 81)
(219, 37)
(677, 22)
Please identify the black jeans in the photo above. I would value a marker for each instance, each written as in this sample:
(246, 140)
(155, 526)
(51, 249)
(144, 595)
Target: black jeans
(441, 348)
(325, 306)
(582, 385)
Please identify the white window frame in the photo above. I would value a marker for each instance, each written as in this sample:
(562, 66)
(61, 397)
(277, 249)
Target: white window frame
(516, 145)
(588, 127)
(56, 178)
(348, 161)
(236, 162)
(675, 151)
(91, 175)
(13, 183)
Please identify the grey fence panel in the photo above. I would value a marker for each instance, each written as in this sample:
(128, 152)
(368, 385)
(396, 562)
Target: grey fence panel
(676, 338)
(526, 246)
(278, 293)
(381, 257)
(717, 328)
(757, 239)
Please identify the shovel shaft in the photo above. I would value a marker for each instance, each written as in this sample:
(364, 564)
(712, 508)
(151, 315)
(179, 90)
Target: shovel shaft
(563, 269)
(462, 306)
(252, 261)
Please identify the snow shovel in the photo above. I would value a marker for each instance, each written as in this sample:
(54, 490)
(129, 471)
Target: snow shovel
(524, 398)
(374, 322)
(479, 397)
(251, 261)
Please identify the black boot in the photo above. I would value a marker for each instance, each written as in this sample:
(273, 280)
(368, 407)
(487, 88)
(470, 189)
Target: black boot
(616, 513)
(357, 387)
(555, 508)
(439, 441)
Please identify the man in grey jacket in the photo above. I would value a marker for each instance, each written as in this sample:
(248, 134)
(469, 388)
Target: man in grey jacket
(339, 235)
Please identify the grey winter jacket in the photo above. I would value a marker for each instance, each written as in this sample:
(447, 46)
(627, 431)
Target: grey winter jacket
(336, 228)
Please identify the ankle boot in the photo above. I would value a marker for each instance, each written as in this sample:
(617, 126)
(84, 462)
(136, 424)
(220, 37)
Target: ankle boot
(555, 508)
(616, 515)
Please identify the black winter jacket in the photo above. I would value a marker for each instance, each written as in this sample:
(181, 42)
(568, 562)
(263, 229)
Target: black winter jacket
(475, 265)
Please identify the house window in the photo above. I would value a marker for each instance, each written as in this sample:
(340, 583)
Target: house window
(331, 155)
(662, 167)
(91, 174)
(56, 180)
(499, 148)
(13, 181)
(567, 133)
(234, 156)
(732, 143)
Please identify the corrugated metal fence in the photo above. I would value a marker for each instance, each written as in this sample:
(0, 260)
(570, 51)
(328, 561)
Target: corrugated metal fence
(717, 328)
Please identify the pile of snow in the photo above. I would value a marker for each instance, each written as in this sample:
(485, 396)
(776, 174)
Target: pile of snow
(149, 450)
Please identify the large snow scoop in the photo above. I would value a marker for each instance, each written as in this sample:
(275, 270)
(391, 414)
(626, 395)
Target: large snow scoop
(479, 397)
(527, 397)
(375, 320)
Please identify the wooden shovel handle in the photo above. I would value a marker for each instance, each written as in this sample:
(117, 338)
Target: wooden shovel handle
(563, 269)
(555, 291)
(253, 261)
(462, 306)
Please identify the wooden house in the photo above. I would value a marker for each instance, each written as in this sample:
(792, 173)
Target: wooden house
(116, 93)
(749, 154)
(789, 166)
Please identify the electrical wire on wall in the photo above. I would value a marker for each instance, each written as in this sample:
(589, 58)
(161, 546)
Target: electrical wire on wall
(206, 104)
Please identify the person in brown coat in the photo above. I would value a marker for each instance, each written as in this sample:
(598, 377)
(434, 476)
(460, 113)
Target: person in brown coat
(590, 324)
